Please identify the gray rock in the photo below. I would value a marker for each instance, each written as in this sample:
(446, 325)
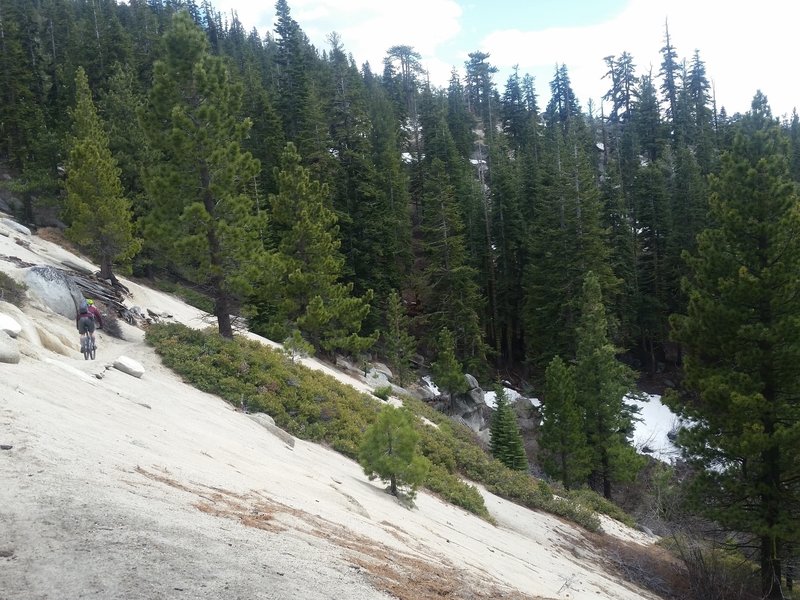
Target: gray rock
(129, 366)
(477, 395)
(9, 351)
(54, 289)
(268, 423)
(9, 325)
(14, 226)
(471, 381)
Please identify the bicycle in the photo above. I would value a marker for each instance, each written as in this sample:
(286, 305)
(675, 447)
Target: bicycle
(88, 347)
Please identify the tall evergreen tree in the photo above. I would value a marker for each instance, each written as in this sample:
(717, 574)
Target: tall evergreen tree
(448, 374)
(201, 218)
(98, 214)
(701, 126)
(449, 291)
(564, 449)
(568, 238)
(671, 73)
(390, 229)
(602, 385)
(741, 335)
(303, 289)
(398, 342)
(506, 440)
(119, 107)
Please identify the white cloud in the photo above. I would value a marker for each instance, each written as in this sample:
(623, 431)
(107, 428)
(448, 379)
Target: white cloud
(745, 47)
(367, 27)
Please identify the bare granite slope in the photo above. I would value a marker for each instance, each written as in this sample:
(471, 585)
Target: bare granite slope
(144, 488)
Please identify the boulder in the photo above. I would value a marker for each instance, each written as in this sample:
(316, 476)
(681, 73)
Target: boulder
(54, 289)
(378, 378)
(14, 226)
(129, 366)
(9, 325)
(268, 423)
(9, 351)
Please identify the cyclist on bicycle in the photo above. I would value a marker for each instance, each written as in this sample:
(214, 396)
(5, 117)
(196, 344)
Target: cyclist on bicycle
(95, 312)
(85, 322)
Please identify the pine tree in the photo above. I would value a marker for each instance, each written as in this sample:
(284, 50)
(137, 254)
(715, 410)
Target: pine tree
(565, 454)
(398, 343)
(448, 374)
(200, 216)
(741, 336)
(506, 440)
(602, 385)
(98, 214)
(389, 451)
(303, 289)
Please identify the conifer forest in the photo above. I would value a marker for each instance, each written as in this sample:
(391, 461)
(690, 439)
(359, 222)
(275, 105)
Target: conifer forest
(359, 209)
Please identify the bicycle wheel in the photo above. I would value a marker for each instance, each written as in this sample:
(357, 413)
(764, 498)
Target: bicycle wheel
(85, 347)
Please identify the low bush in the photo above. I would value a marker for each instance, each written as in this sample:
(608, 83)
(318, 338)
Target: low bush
(317, 407)
(11, 291)
(593, 500)
(716, 573)
(383, 392)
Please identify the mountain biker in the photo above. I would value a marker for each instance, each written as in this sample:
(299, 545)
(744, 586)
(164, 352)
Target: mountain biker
(95, 312)
(85, 321)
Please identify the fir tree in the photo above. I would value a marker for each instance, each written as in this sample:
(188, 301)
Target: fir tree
(602, 385)
(448, 374)
(98, 214)
(201, 218)
(568, 239)
(398, 343)
(565, 454)
(449, 292)
(506, 440)
(741, 335)
(389, 451)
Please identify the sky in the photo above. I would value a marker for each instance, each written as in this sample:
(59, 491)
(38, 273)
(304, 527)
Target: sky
(746, 45)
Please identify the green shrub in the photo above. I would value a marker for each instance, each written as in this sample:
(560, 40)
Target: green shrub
(317, 407)
(383, 392)
(11, 291)
(454, 490)
(593, 500)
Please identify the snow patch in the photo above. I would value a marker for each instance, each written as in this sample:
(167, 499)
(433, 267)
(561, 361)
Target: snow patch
(652, 431)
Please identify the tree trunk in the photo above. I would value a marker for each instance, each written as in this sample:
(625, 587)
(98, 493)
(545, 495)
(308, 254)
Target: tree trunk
(770, 570)
(222, 301)
(105, 267)
(393, 485)
(606, 477)
(222, 310)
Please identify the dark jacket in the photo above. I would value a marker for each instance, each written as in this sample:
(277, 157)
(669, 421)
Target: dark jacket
(93, 310)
